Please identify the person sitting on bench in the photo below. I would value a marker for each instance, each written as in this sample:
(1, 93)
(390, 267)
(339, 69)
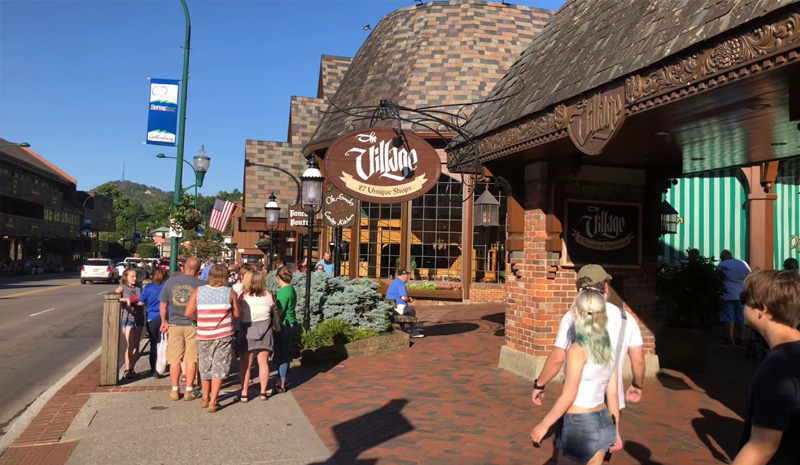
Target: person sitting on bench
(398, 293)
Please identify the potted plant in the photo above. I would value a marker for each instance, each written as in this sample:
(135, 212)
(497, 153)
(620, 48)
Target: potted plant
(185, 216)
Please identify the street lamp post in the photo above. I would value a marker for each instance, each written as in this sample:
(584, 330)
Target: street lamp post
(272, 213)
(200, 165)
(312, 204)
(176, 199)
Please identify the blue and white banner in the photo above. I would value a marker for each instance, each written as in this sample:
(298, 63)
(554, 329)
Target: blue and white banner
(162, 118)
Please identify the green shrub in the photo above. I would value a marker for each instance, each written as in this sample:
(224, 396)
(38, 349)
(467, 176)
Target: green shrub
(333, 331)
(691, 290)
(357, 302)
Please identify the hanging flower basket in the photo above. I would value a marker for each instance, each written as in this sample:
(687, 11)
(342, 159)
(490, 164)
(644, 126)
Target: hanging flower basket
(186, 217)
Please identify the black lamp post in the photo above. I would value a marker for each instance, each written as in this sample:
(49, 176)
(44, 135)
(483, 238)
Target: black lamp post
(272, 213)
(312, 204)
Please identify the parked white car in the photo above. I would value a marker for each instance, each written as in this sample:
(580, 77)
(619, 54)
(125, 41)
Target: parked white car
(121, 267)
(99, 269)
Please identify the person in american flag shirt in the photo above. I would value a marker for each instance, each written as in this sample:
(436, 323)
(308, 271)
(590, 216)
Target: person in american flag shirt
(214, 306)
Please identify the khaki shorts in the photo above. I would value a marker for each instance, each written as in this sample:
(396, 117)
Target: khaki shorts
(182, 344)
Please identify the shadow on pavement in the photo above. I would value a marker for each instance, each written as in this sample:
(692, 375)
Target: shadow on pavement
(449, 329)
(718, 432)
(640, 453)
(499, 318)
(362, 433)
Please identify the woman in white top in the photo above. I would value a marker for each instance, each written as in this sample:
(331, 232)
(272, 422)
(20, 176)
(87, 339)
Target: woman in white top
(590, 428)
(255, 331)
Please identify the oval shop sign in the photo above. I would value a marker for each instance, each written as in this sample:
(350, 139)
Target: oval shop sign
(366, 165)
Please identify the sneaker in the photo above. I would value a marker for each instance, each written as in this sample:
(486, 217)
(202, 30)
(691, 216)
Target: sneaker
(213, 407)
(203, 403)
(175, 395)
(191, 395)
(417, 334)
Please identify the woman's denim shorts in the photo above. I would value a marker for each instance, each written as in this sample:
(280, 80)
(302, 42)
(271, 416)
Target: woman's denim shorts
(586, 434)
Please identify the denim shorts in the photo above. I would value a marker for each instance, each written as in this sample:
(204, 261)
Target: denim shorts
(585, 434)
(732, 312)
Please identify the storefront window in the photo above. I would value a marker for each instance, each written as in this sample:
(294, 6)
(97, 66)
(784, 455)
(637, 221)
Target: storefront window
(344, 248)
(488, 263)
(436, 232)
(380, 239)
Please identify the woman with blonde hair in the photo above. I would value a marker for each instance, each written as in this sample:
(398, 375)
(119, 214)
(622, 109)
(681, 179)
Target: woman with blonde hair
(590, 427)
(256, 337)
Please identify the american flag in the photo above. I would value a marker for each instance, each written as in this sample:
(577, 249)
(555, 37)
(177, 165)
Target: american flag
(221, 214)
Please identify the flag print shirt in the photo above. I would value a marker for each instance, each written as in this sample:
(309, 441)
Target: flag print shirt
(214, 313)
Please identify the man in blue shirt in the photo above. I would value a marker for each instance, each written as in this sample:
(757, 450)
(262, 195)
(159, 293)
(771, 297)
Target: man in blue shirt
(732, 314)
(398, 293)
(327, 264)
(204, 274)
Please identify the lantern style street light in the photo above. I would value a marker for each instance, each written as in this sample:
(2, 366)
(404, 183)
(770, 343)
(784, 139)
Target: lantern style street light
(312, 204)
(669, 219)
(487, 210)
(200, 165)
(272, 213)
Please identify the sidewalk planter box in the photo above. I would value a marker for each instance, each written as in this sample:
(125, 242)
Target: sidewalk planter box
(435, 294)
(390, 342)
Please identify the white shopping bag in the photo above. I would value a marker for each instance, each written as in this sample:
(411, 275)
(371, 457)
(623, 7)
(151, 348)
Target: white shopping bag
(161, 353)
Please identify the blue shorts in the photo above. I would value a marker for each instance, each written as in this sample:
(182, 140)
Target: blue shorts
(585, 434)
(732, 312)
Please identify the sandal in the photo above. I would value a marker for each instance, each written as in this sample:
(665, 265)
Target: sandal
(243, 398)
(263, 396)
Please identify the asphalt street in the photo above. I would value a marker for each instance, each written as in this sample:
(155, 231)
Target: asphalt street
(48, 324)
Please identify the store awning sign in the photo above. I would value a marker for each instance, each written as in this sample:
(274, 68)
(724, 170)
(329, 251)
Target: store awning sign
(365, 164)
(605, 233)
(162, 118)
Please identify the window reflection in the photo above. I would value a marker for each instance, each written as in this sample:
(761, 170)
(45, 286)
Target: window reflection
(436, 232)
(488, 263)
(380, 238)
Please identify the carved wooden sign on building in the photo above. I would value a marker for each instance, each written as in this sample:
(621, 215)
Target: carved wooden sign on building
(594, 121)
(339, 208)
(604, 233)
(367, 165)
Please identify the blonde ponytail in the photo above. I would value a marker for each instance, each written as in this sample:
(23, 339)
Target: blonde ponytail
(591, 325)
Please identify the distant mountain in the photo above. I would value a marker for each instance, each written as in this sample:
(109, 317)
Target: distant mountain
(140, 193)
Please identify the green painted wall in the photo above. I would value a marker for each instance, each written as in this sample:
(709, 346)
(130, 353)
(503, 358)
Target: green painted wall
(713, 206)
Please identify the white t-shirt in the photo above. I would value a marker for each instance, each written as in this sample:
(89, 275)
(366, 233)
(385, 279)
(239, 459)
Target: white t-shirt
(633, 337)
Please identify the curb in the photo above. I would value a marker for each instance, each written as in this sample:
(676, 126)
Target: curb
(27, 417)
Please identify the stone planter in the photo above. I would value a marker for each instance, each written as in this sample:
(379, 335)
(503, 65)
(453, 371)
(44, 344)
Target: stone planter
(390, 342)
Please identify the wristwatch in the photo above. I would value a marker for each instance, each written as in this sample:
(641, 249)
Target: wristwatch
(637, 386)
(536, 385)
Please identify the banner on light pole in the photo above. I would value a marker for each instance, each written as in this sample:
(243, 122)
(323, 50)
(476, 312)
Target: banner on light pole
(162, 118)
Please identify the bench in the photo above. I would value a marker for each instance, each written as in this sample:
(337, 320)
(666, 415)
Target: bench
(402, 322)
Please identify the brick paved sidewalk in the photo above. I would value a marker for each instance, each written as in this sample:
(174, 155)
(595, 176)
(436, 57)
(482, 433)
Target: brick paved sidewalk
(444, 401)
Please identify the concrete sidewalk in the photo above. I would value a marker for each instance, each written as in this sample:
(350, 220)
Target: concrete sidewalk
(442, 401)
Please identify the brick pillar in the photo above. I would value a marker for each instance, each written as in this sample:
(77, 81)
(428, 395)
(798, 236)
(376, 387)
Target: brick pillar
(761, 215)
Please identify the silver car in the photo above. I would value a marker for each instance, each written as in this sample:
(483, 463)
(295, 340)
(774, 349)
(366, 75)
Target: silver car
(99, 269)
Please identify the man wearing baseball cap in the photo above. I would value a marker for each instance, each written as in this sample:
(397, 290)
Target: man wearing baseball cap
(398, 293)
(595, 277)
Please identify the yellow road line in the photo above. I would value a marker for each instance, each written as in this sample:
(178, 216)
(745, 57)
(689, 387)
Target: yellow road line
(36, 292)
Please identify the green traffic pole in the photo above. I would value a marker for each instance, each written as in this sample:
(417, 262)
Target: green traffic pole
(173, 252)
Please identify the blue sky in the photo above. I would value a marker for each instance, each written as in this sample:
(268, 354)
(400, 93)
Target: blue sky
(73, 77)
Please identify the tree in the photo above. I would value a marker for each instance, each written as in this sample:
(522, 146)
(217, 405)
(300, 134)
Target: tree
(147, 250)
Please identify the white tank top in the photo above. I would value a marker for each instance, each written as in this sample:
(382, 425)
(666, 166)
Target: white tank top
(257, 308)
(594, 381)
